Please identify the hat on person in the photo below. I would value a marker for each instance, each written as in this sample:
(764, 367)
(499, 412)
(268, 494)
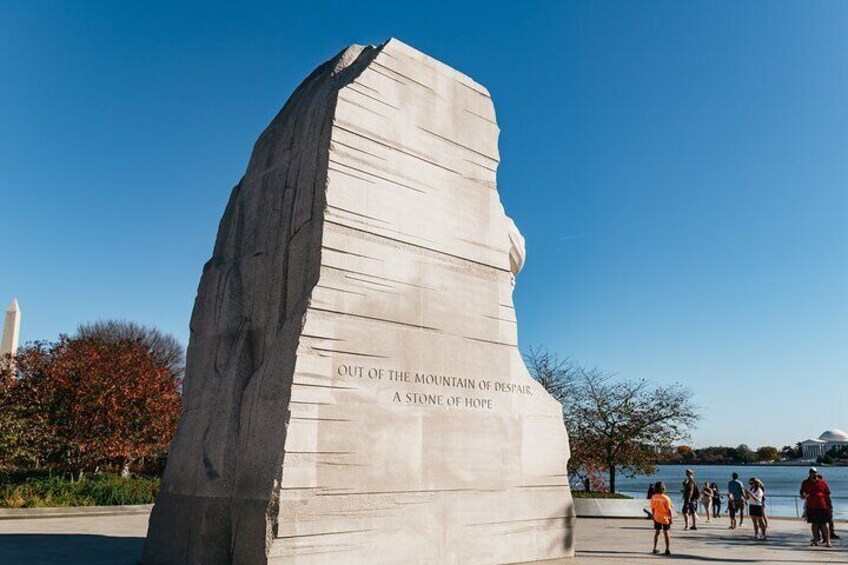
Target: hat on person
(813, 470)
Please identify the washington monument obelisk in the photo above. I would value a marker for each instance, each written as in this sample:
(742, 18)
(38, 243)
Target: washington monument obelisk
(11, 329)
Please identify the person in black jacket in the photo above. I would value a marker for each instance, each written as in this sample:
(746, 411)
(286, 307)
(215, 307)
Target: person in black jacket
(691, 494)
(716, 500)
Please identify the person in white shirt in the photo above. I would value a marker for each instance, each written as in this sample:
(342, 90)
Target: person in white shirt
(755, 495)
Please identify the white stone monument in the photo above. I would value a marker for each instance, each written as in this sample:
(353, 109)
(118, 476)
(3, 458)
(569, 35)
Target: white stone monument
(11, 330)
(354, 393)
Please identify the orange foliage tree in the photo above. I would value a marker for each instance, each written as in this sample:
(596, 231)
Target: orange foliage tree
(82, 404)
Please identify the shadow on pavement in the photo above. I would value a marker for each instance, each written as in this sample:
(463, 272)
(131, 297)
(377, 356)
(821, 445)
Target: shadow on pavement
(69, 549)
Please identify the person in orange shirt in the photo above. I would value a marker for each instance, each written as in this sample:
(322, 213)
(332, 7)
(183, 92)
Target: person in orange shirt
(662, 510)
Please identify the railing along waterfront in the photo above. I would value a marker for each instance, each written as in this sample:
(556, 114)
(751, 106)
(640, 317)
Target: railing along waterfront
(777, 505)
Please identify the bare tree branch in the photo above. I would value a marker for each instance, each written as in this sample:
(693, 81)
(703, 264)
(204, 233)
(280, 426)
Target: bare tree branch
(163, 346)
(614, 425)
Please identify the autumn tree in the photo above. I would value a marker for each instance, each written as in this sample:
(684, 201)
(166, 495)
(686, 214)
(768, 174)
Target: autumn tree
(685, 453)
(557, 374)
(162, 346)
(616, 425)
(94, 403)
(629, 421)
(560, 376)
(27, 433)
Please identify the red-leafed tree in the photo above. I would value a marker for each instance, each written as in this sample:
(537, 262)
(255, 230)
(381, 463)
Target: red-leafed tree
(84, 404)
(27, 435)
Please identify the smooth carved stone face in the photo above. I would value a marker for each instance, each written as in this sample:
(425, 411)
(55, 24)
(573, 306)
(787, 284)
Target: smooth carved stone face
(354, 391)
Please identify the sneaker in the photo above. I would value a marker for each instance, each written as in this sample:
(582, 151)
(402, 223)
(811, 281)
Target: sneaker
(655, 551)
(667, 552)
(834, 536)
(694, 528)
(814, 543)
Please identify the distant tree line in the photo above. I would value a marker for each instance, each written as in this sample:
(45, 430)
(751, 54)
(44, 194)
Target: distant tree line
(615, 425)
(104, 399)
(720, 455)
(834, 455)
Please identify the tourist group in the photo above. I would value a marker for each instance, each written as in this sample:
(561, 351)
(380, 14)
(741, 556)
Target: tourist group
(818, 506)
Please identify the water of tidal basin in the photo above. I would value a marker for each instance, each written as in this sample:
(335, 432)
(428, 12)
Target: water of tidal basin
(782, 484)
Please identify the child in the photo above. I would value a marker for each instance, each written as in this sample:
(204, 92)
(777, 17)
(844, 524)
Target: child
(732, 507)
(662, 510)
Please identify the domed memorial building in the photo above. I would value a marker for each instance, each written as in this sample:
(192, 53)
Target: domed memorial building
(815, 448)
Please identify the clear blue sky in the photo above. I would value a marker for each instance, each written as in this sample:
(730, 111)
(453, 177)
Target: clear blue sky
(679, 171)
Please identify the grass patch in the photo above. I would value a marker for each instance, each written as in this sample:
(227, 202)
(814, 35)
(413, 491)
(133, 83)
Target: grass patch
(584, 494)
(97, 490)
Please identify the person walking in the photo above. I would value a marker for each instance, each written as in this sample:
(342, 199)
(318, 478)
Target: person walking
(765, 510)
(816, 495)
(737, 490)
(731, 510)
(707, 501)
(716, 501)
(830, 527)
(662, 511)
(755, 495)
(691, 493)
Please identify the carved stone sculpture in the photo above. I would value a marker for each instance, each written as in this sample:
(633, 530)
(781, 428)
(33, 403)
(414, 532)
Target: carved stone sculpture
(354, 393)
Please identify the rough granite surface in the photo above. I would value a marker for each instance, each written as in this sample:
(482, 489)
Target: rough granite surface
(354, 392)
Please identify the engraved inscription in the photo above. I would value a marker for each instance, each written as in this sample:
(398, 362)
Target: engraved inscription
(432, 389)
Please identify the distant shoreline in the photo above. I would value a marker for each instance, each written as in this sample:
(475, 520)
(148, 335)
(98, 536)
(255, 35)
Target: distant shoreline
(777, 464)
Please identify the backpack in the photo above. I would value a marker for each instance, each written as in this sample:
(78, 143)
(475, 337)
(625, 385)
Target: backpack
(696, 492)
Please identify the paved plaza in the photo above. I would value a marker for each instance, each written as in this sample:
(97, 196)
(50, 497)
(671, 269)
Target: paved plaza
(117, 540)
(603, 542)
(85, 540)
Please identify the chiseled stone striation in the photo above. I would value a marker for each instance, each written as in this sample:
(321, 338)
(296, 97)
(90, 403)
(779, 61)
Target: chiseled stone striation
(354, 393)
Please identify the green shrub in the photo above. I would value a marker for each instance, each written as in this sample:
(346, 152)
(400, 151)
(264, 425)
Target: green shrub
(584, 494)
(97, 490)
